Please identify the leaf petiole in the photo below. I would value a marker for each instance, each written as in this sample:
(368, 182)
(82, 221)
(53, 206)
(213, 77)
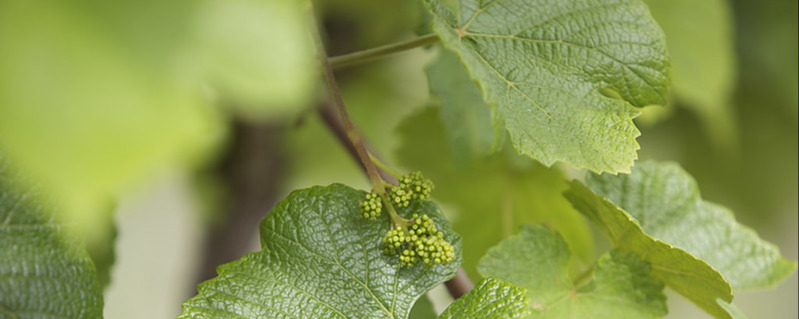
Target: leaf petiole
(359, 57)
(384, 167)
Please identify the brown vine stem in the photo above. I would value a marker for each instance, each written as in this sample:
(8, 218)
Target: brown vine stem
(457, 286)
(378, 184)
(352, 133)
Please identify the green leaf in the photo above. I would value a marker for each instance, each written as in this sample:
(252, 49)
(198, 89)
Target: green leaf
(129, 86)
(100, 243)
(700, 42)
(561, 77)
(45, 271)
(256, 53)
(321, 260)
(115, 110)
(686, 274)
(490, 299)
(491, 196)
(466, 118)
(422, 309)
(537, 259)
(734, 312)
(665, 201)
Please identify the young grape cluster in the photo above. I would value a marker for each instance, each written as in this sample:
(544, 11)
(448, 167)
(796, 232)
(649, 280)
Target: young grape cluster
(371, 207)
(411, 186)
(422, 243)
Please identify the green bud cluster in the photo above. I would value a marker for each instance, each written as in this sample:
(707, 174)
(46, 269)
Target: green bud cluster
(371, 206)
(411, 186)
(423, 243)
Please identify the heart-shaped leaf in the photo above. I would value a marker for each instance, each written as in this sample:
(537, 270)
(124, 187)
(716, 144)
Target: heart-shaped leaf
(321, 260)
(561, 76)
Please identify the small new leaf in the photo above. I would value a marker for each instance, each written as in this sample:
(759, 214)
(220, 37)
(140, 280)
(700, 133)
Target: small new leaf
(537, 259)
(490, 299)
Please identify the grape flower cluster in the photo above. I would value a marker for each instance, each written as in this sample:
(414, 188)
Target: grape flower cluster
(415, 240)
(411, 186)
(371, 207)
(423, 242)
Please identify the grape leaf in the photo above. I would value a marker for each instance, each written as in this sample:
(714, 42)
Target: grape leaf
(44, 269)
(467, 120)
(700, 42)
(686, 274)
(422, 309)
(490, 299)
(537, 259)
(734, 312)
(321, 260)
(561, 77)
(491, 197)
(665, 201)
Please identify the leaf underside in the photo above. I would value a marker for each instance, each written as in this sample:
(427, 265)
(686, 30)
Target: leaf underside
(561, 76)
(686, 274)
(696, 247)
(537, 259)
(666, 202)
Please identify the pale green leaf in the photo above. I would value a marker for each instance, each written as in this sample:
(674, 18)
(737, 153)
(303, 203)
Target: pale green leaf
(257, 53)
(466, 117)
(700, 42)
(321, 260)
(665, 201)
(490, 299)
(96, 97)
(537, 259)
(734, 312)
(88, 107)
(562, 75)
(491, 197)
(686, 274)
(45, 271)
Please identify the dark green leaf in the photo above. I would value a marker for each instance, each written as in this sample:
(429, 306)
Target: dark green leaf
(561, 77)
(490, 299)
(422, 309)
(321, 260)
(537, 259)
(45, 271)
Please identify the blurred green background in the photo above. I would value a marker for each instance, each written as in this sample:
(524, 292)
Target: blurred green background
(193, 134)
